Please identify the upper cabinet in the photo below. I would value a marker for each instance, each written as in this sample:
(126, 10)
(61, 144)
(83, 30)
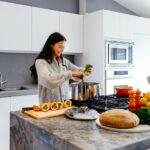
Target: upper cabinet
(110, 24)
(44, 22)
(15, 27)
(118, 25)
(26, 29)
(71, 26)
(141, 25)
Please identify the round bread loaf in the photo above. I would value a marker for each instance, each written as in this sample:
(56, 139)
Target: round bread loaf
(119, 118)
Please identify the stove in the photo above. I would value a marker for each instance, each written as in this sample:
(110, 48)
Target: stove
(104, 102)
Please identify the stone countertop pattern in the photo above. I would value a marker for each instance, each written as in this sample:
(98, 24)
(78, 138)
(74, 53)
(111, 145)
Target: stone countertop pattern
(66, 134)
(32, 89)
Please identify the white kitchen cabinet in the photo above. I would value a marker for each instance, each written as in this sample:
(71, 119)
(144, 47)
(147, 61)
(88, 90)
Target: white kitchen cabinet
(4, 123)
(98, 27)
(15, 27)
(118, 25)
(141, 25)
(26, 29)
(8, 104)
(18, 102)
(71, 26)
(111, 24)
(126, 26)
(141, 61)
(44, 22)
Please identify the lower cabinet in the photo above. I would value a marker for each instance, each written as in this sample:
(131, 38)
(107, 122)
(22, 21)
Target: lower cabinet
(18, 102)
(7, 105)
(5, 123)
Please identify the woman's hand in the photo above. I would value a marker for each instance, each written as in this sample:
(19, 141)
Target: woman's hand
(78, 74)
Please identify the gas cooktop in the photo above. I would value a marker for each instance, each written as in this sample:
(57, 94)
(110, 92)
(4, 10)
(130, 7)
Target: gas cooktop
(104, 102)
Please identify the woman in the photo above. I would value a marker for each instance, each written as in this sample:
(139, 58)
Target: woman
(53, 71)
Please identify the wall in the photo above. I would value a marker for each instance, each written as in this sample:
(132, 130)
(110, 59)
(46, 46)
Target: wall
(60, 5)
(16, 66)
(94, 5)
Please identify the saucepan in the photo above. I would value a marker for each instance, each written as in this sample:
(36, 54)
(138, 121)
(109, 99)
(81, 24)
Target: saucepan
(85, 90)
(123, 91)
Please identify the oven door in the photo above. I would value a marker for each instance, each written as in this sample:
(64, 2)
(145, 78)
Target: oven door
(111, 84)
(118, 54)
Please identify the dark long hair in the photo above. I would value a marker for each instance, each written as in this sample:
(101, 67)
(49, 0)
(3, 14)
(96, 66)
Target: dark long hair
(47, 52)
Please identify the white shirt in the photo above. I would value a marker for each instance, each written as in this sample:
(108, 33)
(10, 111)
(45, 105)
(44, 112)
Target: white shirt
(53, 79)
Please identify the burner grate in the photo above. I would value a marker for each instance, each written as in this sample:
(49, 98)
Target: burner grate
(104, 103)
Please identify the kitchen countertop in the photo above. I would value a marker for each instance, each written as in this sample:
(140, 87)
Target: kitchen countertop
(61, 133)
(31, 90)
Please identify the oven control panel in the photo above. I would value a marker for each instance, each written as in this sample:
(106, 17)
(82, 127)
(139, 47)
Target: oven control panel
(120, 73)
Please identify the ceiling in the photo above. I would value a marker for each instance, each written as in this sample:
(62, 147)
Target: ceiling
(139, 7)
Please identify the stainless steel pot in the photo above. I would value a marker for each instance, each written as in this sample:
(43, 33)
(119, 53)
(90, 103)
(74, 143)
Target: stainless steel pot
(85, 90)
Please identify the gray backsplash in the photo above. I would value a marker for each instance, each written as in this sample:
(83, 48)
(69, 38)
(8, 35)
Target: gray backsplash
(16, 66)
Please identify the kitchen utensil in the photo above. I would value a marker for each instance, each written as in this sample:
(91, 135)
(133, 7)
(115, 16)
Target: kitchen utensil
(139, 128)
(26, 109)
(82, 113)
(123, 91)
(85, 90)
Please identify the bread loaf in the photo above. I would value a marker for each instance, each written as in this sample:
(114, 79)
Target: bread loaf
(119, 118)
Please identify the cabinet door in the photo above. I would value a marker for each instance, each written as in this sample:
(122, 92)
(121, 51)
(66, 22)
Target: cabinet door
(71, 26)
(111, 24)
(18, 102)
(15, 27)
(142, 25)
(126, 26)
(44, 22)
(5, 123)
(118, 25)
(141, 61)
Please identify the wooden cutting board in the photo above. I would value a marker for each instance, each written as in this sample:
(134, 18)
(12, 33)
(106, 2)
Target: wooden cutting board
(139, 128)
(50, 113)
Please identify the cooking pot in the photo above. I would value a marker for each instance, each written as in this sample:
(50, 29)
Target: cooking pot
(123, 91)
(85, 90)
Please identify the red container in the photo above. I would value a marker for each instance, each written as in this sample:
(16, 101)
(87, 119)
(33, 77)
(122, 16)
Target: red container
(123, 91)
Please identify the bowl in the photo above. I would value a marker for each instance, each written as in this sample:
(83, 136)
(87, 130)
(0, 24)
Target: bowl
(123, 91)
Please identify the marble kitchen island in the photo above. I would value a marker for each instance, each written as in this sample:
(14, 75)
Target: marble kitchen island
(61, 133)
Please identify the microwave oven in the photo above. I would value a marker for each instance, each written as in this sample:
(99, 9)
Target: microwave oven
(119, 54)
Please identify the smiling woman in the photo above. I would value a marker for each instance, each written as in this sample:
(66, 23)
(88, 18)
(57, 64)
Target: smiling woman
(53, 71)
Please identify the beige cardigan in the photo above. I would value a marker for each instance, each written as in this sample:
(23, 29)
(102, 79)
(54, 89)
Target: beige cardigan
(53, 79)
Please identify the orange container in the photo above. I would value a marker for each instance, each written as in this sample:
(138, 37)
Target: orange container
(123, 91)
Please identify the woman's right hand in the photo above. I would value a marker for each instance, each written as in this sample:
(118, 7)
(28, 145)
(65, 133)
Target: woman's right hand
(78, 74)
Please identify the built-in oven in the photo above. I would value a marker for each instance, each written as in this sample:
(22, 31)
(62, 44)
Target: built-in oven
(111, 84)
(118, 78)
(119, 53)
